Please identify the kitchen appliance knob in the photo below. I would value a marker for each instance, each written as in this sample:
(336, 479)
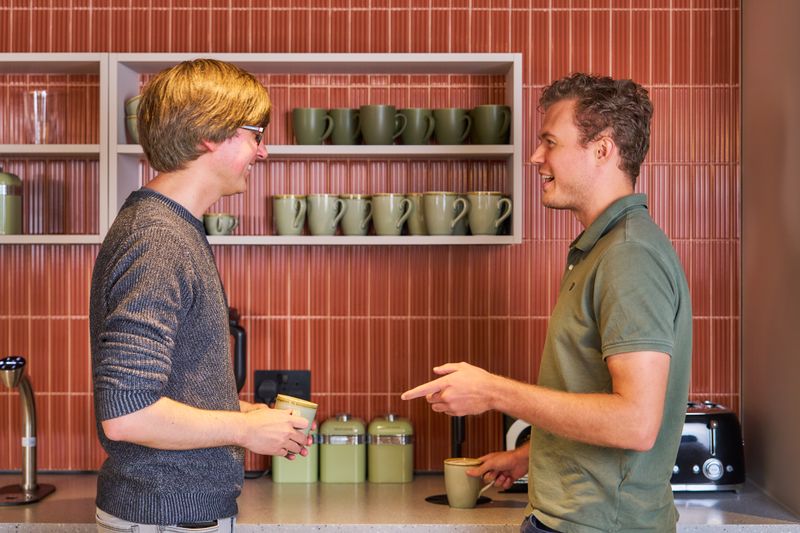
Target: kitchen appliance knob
(676, 469)
(696, 469)
(713, 469)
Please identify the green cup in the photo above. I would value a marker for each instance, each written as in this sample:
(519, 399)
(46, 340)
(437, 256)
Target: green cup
(297, 406)
(490, 124)
(220, 223)
(419, 125)
(390, 212)
(346, 126)
(487, 211)
(312, 125)
(324, 213)
(462, 490)
(381, 124)
(289, 213)
(132, 125)
(452, 125)
(443, 211)
(357, 214)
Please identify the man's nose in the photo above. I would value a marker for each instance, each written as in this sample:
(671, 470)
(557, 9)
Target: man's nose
(261, 153)
(538, 155)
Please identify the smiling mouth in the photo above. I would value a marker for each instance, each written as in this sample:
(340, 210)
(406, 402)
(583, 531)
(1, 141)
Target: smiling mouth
(547, 179)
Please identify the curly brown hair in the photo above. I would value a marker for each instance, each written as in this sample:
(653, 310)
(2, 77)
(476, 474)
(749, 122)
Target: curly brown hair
(194, 101)
(603, 103)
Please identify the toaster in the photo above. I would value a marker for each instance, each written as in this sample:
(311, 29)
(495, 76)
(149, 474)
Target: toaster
(711, 452)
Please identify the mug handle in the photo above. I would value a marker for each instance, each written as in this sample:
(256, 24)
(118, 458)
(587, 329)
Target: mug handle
(365, 222)
(468, 120)
(329, 129)
(301, 213)
(406, 213)
(463, 212)
(235, 224)
(506, 214)
(506, 123)
(357, 120)
(431, 126)
(402, 118)
(342, 209)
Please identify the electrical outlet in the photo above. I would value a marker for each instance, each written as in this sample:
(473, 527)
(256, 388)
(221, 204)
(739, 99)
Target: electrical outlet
(270, 383)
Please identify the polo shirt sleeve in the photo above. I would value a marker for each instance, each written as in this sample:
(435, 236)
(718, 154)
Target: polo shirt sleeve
(634, 301)
(147, 290)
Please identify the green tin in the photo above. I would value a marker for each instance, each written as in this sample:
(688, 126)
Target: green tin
(10, 204)
(300, 469)
(391, 450)
(343, 450)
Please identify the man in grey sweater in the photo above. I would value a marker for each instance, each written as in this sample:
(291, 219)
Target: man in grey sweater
(167, 410)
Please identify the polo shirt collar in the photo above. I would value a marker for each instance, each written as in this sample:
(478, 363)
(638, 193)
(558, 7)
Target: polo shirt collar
(589, 237)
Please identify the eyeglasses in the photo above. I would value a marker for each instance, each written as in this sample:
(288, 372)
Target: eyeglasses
(258, 130)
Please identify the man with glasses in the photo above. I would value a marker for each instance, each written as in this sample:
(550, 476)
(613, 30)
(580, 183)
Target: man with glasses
(167, 410)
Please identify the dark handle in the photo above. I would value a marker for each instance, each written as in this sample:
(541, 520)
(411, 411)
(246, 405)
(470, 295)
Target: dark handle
(457, 431)
(239, 355)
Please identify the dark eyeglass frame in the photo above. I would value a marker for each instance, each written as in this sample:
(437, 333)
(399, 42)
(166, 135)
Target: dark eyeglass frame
(258, 130)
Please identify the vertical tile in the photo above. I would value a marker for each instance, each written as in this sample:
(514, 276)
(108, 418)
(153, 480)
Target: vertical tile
(399, 355)
(580, 44)
(319, 351)
(621, 32)
(439, 36)
(601, 41)
(682, 46)
(641, 51)
(379, 356)
(560, 48)
(360, 35)
(701, 47)
(500, 29)
(340, 355)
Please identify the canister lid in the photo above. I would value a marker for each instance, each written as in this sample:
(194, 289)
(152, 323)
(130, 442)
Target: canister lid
(7, 178)
(342, 424)
(390, 424)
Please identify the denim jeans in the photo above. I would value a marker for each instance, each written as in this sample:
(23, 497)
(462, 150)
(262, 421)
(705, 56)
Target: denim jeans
(107, 523)
(531, 525)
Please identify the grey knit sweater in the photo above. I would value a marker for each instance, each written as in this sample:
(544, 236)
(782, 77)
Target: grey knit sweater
(159, 328)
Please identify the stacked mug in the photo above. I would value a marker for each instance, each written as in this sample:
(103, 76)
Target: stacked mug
(380, 124)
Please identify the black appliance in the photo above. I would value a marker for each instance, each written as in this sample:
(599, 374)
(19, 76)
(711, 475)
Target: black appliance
(711, 453)
(239, 348)
(515, 433)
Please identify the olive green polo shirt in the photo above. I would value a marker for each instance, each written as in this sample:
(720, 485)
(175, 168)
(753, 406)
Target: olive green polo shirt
(623, 291)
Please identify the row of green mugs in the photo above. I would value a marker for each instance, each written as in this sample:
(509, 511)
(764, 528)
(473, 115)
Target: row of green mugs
(429, 213)
(383, 124)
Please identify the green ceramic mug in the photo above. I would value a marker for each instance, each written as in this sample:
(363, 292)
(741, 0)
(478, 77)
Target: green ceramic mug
(346, 126)
(487, 211)
(443, 211)
(452, 125)
(311, 125)
(390, 212)
(288, 213)
(324, 213)
(358, 213)
(220, 223)
(419, 125)
(490, 124)
(381, 124)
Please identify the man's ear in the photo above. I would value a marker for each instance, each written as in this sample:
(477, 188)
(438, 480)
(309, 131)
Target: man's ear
(604, 149)
(208, 146)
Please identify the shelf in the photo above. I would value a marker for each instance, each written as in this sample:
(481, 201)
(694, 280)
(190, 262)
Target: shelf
(50, 150)
(126, 72)
(389, 151)
(51, 239)
(344, 240)
(60, 64)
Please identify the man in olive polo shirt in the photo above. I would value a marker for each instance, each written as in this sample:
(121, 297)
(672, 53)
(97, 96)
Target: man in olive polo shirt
(609, 406)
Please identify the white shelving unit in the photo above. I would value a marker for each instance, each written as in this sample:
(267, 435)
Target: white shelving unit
(64, 63)
(124, 75)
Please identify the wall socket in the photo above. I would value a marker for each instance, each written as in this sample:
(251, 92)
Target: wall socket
(270, 383)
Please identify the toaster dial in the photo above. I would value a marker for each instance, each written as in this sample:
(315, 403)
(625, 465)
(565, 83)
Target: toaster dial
(713, 469)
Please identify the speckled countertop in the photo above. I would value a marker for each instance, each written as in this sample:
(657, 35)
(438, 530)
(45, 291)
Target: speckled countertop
(267, 506)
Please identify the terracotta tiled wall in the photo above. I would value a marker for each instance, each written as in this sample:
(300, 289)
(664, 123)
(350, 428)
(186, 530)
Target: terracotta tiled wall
(371, 321)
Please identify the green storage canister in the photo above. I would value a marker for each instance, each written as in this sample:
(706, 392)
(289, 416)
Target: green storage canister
(343, 450)
(300, 469)
(390, 450)
(10, 204)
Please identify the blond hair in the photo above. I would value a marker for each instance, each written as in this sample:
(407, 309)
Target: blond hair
(203, 99)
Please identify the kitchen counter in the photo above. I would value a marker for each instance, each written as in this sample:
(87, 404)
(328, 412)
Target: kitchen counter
(267, 506)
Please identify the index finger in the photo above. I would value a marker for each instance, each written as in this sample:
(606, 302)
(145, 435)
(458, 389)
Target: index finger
(422, 390)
